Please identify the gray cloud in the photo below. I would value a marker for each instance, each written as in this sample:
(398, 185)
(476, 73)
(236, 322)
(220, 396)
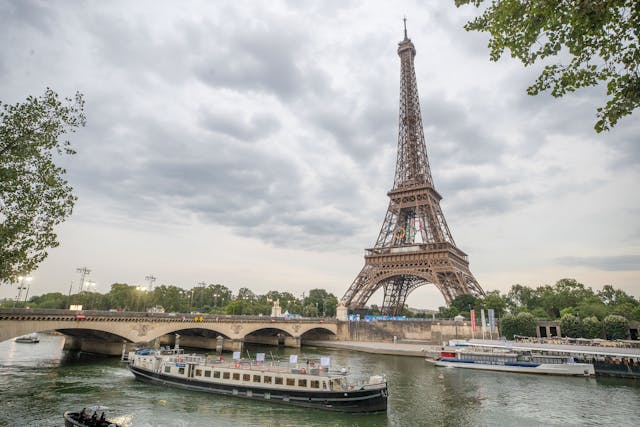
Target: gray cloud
(607, 263)
(279, 121)
(236, 125)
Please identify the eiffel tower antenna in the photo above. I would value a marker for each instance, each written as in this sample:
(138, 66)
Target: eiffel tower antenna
(415, 246)
(405, 27)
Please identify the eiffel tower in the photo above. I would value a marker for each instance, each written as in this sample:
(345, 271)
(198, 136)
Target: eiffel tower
(414, 247)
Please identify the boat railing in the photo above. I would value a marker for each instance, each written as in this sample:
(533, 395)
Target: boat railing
(253, 365)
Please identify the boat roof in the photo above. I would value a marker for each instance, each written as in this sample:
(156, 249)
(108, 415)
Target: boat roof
(557, 348)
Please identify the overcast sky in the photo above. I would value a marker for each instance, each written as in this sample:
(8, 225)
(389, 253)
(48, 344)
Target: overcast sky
(252, 144)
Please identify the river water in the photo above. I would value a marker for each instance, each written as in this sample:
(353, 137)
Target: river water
(38, 382)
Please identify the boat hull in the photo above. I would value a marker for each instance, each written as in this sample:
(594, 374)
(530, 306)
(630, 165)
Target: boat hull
(72, 419)
(361, 400)
(570, 369)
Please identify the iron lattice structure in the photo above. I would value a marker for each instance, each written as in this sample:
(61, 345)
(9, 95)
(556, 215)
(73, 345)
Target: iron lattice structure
(414, 247)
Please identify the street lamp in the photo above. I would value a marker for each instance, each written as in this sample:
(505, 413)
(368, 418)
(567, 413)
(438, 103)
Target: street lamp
(215, 301)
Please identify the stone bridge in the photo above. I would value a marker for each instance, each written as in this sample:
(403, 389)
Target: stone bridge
(105, 332)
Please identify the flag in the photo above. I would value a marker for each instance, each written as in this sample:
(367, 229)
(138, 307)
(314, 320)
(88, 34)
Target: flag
(293, 358)
(236, 355)
(482, 319)
(473, 320)
(260, 357)
(492, 320)
(325, 361)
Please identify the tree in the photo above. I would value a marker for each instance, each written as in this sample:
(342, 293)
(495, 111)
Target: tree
(520, 297)
(526, 324)
(522, 324)
(493, 300)
(508, 326)
(599, 39)
(616, 327)
(324, 303)
(571, 326)
(591, 327)
(34, 196)
(464, 302)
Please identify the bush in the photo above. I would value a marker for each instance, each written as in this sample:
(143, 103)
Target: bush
(571, 326)
(591, 327)
(522, 324)
(508, 326)
(526, 324)
(616, 327)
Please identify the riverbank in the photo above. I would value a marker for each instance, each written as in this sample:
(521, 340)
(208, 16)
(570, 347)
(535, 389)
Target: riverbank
(400, 348)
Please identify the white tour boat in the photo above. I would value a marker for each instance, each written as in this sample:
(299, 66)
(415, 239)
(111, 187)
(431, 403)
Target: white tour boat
(309, 385)
(510, 361)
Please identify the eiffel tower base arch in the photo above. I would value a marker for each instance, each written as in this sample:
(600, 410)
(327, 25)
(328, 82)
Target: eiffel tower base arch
(401, 274)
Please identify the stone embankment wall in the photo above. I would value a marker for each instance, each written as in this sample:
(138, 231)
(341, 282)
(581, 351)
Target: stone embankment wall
(434, 332)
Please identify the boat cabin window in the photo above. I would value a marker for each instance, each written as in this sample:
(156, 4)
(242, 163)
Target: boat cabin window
(246, 377)
(181, 370)
(207, 374)
(236, 376)
(302, 383)
(267, 379)
(256, 378)
(226, 375)
(324, 385)
(216, 374)
(314, 384)
(167, 369)
(279, 380)
(291, 381)
(198, 372)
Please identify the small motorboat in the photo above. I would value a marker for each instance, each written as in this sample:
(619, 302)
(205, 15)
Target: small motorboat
(28, 339)
(86, 418)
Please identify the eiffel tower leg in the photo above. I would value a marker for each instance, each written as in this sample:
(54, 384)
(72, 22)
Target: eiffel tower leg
(358, 293)
(395, 296)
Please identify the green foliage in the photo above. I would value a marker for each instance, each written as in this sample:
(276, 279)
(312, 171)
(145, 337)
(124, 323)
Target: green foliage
(509, 326)
(523, 324)
(34, 196)
(616, 327)
(520, 297)
(464, 302)
(50, 300)
(322, 302)
(571, 326)
(495, 301)
(591, 327)
(526, 324)
(540, 313)
(598, 39)
(592, 306)
(447, 312)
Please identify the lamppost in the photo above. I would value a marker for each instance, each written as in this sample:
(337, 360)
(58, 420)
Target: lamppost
(215, 301)
(21, 286)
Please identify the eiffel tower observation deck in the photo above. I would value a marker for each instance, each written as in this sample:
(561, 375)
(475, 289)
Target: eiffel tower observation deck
(415, 246)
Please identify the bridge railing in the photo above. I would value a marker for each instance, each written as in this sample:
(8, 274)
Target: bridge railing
(177, 317)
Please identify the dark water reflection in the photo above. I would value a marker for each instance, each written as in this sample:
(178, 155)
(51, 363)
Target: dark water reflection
(39, 382)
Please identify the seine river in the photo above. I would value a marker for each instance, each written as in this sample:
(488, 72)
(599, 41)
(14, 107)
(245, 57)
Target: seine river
(38, 382)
